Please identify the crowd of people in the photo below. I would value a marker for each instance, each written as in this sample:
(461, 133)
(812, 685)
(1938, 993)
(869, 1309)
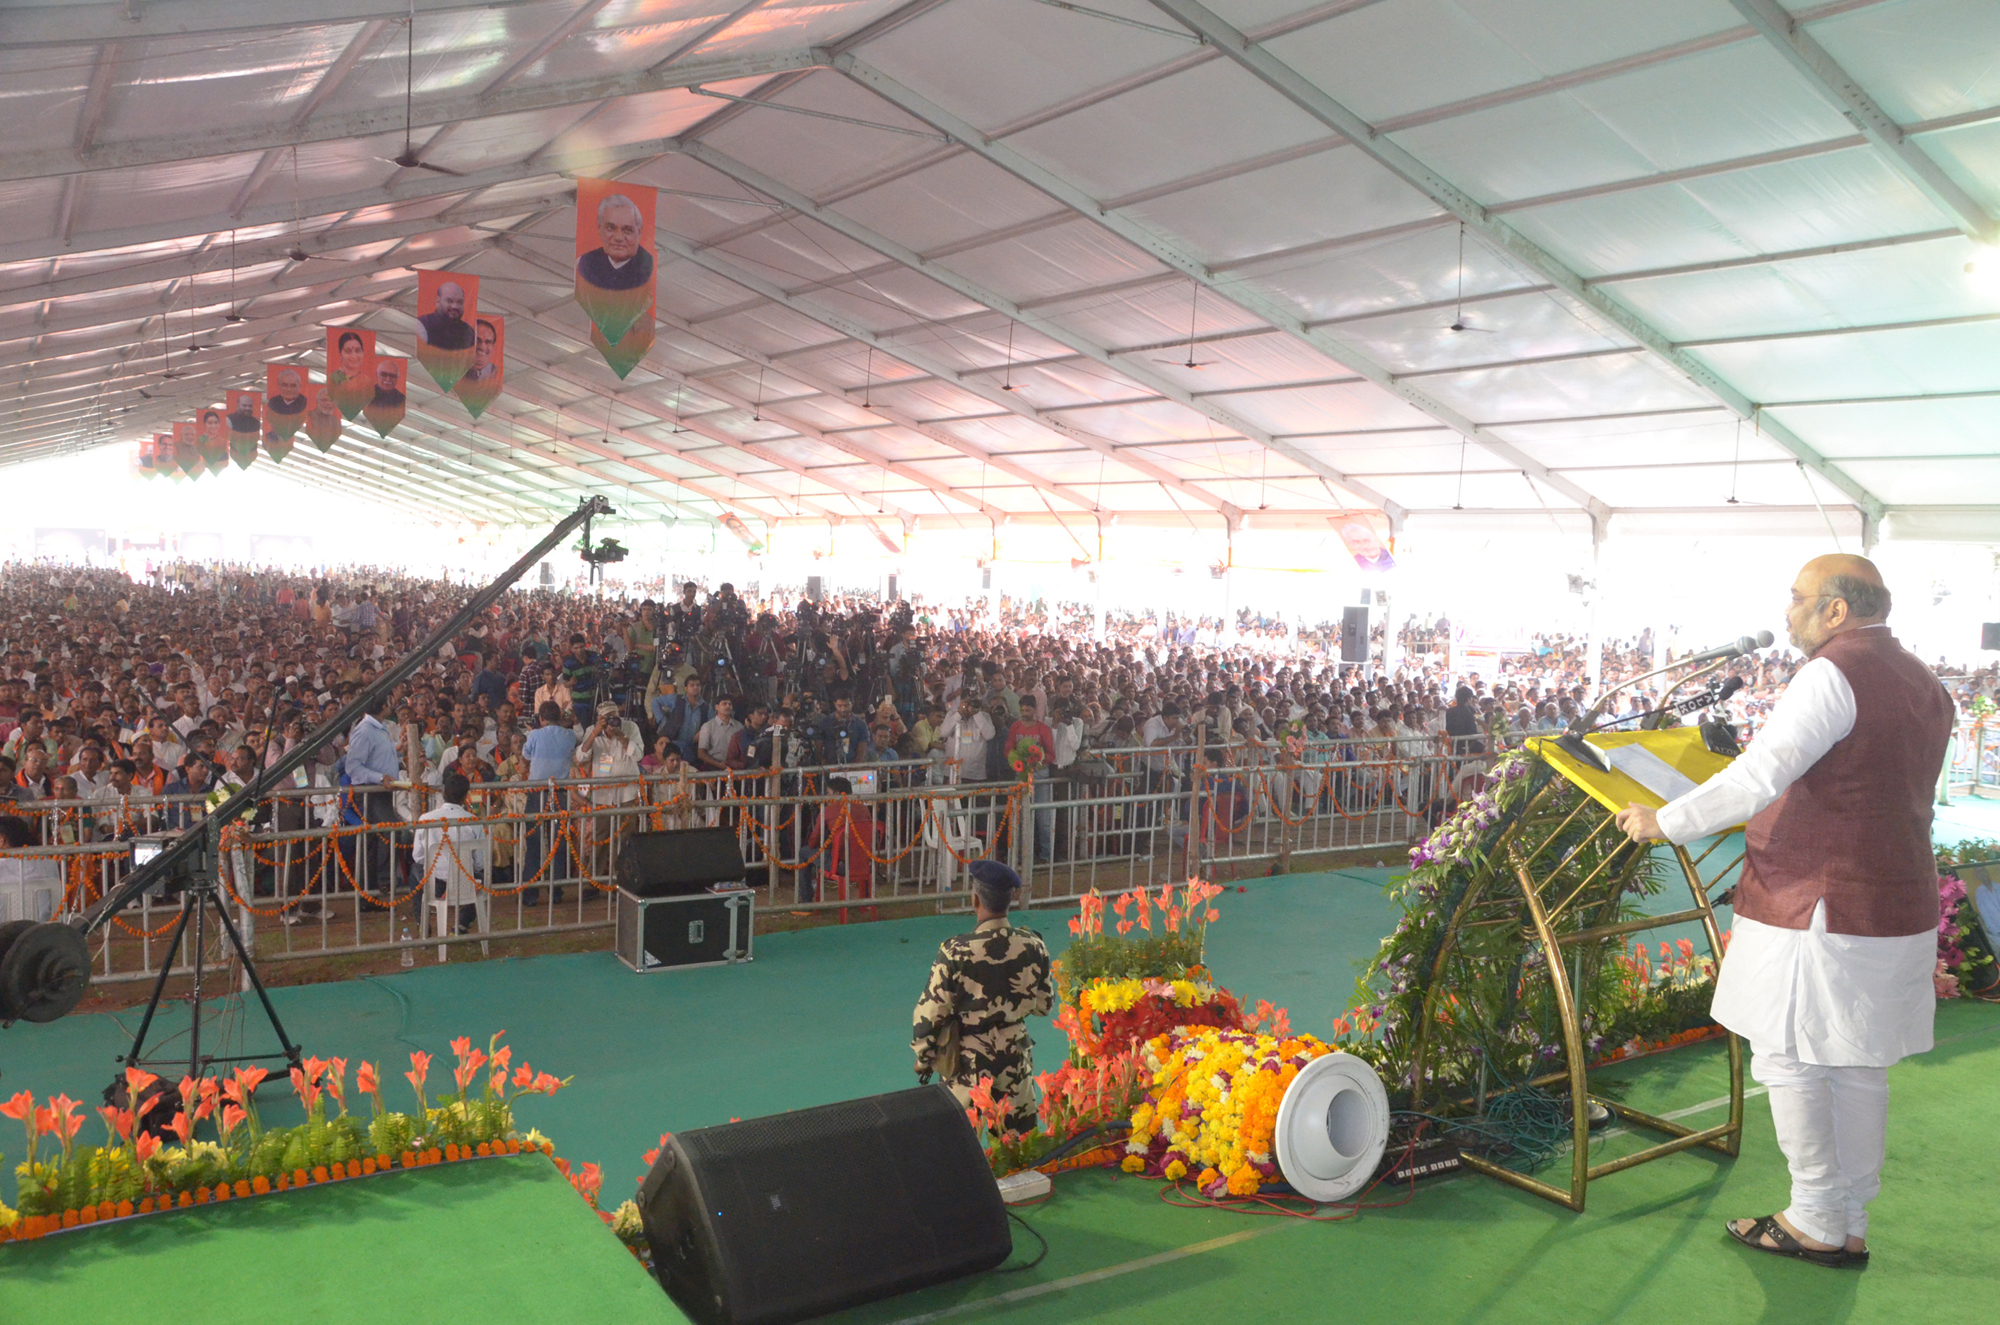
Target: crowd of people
(121, 694)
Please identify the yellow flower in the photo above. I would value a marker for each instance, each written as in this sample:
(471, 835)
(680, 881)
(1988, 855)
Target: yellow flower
(1176, 1171)
(1133, 1164)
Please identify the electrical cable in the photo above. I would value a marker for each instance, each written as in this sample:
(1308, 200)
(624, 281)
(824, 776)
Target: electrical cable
(1026, 1265)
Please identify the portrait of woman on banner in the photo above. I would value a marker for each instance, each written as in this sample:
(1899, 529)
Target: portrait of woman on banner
(214, 439)
(350, 368)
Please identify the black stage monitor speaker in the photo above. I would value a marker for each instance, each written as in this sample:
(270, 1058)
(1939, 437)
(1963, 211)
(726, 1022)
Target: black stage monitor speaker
(784, 1218)
(1354, 634)
(1989, 635)
(676, 864)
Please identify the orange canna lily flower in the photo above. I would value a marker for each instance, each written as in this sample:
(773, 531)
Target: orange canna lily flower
(503, 1056)
(118, 1120)
(136, 1083)
(1075, 925)
(146, 1146)
(21, 1108)
(524, 1076)
(232, 1118)
(462, 1046)
(183, 1127)
(365, 1080)
(336, 1081)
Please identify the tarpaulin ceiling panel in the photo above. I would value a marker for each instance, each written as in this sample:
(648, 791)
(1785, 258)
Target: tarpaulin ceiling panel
(1136, 186)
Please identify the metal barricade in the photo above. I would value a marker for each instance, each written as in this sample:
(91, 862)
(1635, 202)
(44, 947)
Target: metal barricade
(323, 872)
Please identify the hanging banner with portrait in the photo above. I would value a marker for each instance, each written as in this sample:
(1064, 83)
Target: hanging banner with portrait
(447, 304)
(322, 418)
(614, 262)
(187, 448)
(385, 406)
(1366, 540)
(213, 439)
(350, 368)
(149, 454)
(734, 524)
(246, 426)
(287, 397)
(481, 383)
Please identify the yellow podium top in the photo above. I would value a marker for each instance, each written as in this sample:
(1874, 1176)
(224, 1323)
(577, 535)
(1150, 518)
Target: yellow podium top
(1680, 748)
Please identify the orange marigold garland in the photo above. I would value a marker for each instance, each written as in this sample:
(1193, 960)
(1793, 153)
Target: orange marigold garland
(1212, 1106)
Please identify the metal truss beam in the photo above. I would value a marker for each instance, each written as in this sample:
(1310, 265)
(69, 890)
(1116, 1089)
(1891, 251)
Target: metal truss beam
(388, 119)
(951, 280)
(1505, 240)
(936, 367)
(1787, 34)
(778, 414)
(1271, 311)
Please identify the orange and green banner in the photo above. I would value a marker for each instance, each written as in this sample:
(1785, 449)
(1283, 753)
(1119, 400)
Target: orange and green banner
(481, 383)
(287, 397)
(615, 277)
(447, 306)
(385, 406)
(350, 367)
(246, 425)
(322, 418)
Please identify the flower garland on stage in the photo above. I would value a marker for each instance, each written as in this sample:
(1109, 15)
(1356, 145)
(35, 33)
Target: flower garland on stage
(1115, 1016)
(1212, 1106)
(153, 1160)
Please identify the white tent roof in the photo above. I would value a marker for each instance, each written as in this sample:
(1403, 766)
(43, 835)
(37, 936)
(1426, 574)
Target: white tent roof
(958, 260)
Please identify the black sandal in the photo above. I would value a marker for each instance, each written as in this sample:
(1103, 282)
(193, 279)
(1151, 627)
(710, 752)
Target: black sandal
(1856, 1260)
(1784, 1244)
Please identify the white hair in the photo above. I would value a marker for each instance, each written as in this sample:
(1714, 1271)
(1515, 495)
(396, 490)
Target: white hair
(620, 200)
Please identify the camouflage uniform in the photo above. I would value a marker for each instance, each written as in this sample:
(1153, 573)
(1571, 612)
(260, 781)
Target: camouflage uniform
(986, 984)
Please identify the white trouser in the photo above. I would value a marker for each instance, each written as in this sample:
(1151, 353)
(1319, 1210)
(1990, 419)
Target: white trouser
(1832, 1125)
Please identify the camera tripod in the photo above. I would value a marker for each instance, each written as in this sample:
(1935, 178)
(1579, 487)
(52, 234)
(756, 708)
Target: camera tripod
(202, 893)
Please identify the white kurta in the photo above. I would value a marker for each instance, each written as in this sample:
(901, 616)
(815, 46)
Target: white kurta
(1837, 1000)
(452, 852)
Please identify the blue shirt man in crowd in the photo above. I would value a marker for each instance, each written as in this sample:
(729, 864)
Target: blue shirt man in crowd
(551, 751)
(371, 761)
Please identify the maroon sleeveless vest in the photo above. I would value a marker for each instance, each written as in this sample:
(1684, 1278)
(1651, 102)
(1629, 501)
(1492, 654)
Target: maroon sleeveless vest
(1855, 829)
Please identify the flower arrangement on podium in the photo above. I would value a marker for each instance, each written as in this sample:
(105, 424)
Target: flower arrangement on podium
(154, 1157)
(1211, 1108)
(1171, 927)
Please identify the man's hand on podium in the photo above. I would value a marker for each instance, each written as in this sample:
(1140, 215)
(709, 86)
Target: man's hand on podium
(1640, 824)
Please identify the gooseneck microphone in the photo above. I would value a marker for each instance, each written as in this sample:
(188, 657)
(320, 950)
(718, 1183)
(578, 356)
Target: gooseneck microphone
(1572, 742)
(1746, 644)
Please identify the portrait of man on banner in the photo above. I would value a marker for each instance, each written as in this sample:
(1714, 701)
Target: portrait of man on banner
(322, 419)
(614, 254)
(1364, 543)
(385, 406)
(148, 459)
(482, 381)
(187, 448)
(447, 304)
(246, 425)
(285, 400)
(350, 367)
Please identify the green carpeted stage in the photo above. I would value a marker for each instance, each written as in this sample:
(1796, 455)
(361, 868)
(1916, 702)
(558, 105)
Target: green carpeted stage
(822, 1015)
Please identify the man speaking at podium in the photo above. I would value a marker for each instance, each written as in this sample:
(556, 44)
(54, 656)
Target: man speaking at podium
(1828, 973)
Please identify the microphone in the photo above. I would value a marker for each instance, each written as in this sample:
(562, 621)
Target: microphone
(1729, 687)
(1747, 644)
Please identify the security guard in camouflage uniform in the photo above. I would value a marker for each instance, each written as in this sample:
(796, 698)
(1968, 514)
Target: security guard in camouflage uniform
(970, 1023)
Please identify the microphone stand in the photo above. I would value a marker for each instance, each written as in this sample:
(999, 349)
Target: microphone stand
(1571, 742)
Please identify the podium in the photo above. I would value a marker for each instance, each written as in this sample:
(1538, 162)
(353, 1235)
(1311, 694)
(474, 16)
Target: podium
(1547, 895)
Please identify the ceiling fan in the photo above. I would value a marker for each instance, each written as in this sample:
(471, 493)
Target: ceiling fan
(1458, 322)
(297, 252)
(1194, 306)
(408, 158)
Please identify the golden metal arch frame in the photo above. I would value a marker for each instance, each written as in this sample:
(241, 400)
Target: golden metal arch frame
(1511, 856)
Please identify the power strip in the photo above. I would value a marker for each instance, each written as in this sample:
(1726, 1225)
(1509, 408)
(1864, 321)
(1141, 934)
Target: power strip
(1026, 1185)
